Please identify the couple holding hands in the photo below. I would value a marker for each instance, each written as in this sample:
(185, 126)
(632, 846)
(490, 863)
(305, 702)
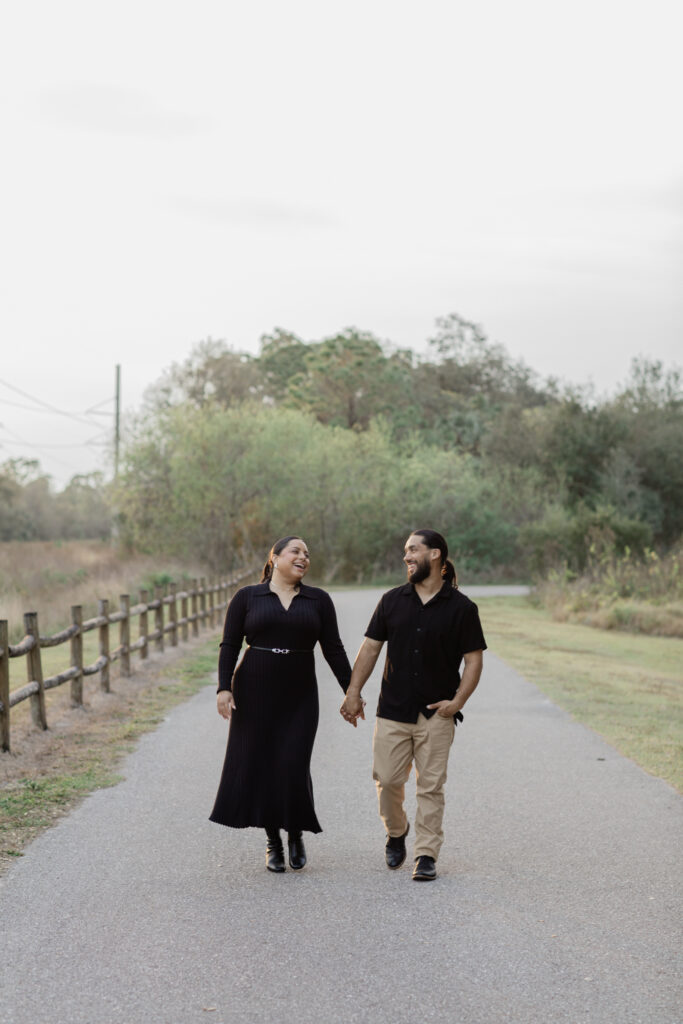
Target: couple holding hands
(271, 697)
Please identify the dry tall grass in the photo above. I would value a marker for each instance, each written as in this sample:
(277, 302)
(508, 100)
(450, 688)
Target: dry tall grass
(48, 577)
(633, 595)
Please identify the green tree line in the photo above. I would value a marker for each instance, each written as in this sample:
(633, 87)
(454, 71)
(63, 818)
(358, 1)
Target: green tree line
(352, 443)
(30, 509)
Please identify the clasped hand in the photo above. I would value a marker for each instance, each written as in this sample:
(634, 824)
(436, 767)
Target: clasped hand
(352, 709)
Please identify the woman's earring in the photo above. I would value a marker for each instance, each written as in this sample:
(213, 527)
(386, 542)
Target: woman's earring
(274, 565)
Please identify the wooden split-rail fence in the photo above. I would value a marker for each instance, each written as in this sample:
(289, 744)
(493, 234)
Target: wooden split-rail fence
(201, 604)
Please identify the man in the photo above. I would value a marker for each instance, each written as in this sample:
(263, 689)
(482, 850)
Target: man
(430, 628)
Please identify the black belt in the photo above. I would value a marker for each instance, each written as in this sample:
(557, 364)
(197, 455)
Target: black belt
(279, 650)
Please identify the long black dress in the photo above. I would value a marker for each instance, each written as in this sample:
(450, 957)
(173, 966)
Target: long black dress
(266, 780)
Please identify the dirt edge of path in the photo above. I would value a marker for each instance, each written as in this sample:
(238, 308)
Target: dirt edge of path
(47, 773)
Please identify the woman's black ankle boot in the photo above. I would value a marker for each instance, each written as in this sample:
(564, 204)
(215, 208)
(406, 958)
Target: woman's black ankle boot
(297, 851)
(275, 854)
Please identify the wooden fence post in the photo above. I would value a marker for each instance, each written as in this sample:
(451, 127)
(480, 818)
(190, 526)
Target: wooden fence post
(144, 649)
(159, 618)
(202, 599)
(34, 671)
(4, 684)
(173, 614)
(195, 608)
(183, 615)
(212, 601)
(124, 634)
(77, 657)
(103, 612)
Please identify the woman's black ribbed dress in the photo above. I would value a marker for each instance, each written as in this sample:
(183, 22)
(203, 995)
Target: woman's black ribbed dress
(266, 780)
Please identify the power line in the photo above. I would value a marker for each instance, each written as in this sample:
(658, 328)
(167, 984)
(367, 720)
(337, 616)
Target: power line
(101, 439)
(95, 440)
(47, 405)
(49, 412)
(42, 448)
(54, 458)
(93, 410)
(92, 443)
(21, 405)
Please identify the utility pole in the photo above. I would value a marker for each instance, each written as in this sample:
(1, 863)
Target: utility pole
(117, 443)
(117, 422)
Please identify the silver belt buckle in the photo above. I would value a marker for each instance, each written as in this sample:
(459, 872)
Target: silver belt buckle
(280, 650)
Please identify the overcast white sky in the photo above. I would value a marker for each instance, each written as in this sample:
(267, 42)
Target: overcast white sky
(177, 170)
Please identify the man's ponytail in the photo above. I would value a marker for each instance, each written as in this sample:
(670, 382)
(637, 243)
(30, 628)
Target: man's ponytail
(448, 573)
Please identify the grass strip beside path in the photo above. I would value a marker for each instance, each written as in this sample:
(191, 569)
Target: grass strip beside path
(628, 688)
(95, 740)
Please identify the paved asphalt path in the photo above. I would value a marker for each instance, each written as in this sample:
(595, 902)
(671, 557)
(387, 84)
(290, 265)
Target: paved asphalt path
(558, 897)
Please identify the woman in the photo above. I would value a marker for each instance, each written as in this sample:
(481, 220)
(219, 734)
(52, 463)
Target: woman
(272, 701)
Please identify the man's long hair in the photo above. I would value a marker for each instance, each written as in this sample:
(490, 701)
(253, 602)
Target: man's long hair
(436, 540)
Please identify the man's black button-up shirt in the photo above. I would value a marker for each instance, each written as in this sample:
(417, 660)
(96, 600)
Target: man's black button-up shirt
(425, 646)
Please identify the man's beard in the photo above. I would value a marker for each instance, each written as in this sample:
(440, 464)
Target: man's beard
(420, 572)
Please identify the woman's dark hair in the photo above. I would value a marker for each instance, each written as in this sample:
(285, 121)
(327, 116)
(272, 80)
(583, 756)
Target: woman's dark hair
(436, 540)
(277, 548)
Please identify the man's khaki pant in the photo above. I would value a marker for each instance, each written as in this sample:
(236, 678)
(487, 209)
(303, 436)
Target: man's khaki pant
(395, 746)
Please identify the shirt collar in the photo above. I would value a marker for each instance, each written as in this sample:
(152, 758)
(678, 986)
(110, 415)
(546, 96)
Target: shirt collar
(409, 588)
(303, 591)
